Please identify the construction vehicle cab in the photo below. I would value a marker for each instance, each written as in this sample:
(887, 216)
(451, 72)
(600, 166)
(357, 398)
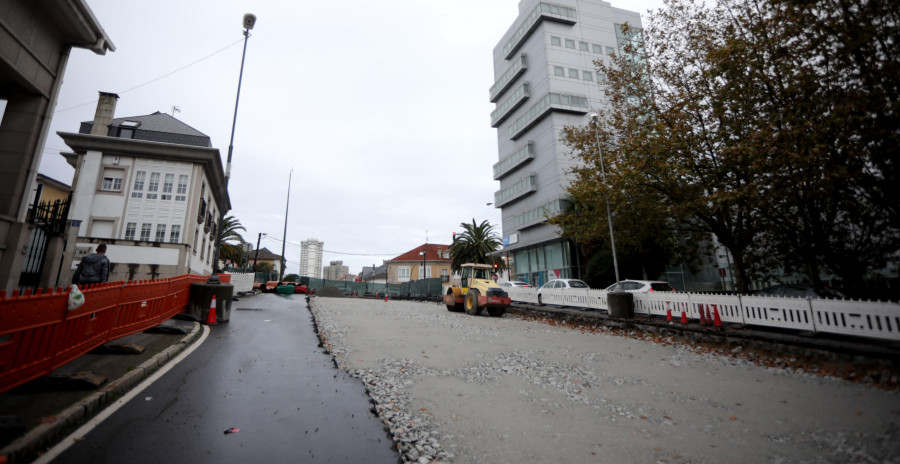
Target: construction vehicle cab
(476, 290)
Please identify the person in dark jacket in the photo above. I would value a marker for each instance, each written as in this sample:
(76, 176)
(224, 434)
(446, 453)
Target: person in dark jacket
(93, 268)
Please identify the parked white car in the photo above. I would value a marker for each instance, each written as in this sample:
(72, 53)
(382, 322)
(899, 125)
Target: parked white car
(560, 284)
(640, 286)
(515, 283)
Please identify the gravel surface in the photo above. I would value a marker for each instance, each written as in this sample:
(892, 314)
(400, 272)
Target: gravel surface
(457, 388)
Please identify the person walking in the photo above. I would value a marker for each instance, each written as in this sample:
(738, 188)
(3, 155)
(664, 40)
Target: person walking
(93, 268)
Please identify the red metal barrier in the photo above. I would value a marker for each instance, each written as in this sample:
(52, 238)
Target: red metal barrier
(39, 334)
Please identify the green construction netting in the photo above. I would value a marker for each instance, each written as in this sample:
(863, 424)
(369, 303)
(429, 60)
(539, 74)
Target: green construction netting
(415, 289)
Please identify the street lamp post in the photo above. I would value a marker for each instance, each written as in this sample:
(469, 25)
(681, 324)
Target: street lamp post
(287, 204)
(612, 239)
(249, 21)
(423, 267)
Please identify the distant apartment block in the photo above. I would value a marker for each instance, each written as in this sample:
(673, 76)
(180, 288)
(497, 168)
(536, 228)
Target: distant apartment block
(335, 271)
(545, 79)
(311, 258)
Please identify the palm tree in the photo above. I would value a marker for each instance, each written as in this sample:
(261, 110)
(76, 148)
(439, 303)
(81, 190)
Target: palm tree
(232, 242)
(474, 244)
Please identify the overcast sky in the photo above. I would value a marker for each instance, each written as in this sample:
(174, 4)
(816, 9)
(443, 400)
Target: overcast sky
(380, 108)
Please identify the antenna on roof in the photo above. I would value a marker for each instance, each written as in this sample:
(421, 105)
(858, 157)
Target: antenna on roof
(176, 109)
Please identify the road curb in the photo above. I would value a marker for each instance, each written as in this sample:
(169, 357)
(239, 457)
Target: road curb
(25, 447)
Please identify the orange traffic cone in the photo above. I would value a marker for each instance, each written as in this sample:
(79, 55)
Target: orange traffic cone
(716, 318)
(702, 316)
(385, 296)
(683, 317)
(709, 319)
(668, 315)
(211, 317)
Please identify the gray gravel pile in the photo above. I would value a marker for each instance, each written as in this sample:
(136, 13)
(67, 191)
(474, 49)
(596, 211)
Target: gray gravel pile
(456, 388)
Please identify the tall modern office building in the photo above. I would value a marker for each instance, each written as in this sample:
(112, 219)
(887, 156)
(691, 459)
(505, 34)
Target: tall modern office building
(311, 258)
(545, 79)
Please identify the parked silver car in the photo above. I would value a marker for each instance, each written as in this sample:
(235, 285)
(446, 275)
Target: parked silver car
(640, 286)
(557, 284)
(515, 283)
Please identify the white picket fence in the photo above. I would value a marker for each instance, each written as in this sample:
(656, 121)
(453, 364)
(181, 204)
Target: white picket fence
(870, 319)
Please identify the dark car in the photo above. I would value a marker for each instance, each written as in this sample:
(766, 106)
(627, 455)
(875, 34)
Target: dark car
(799, 291)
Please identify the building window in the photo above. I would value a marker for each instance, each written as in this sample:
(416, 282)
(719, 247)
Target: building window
(202, 247)
(427, 272)
(570, 44)
(555, 41)
(573, 73)
(112, 180)
(598, 49)
(175, 234)
(160, 232)
(181, 194)
(559, 71)
(153, 187)
(145, 232)
(129, 230)
(610, 51)
(126, 133)
(167, 187)
(587, 75)
(403, 274)
(196, 239)
(583, 46)
(138, 186)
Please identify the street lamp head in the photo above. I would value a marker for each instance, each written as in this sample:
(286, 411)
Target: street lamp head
(249, 21)
(594, 116)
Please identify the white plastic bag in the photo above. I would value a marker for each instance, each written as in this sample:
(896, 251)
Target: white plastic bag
(76, 298)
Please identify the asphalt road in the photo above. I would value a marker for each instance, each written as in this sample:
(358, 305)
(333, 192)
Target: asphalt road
(263, 374)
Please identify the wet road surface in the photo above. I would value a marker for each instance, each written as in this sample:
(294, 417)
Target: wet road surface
(262, 374)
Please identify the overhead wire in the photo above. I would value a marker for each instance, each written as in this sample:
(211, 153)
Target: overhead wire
(157, 78)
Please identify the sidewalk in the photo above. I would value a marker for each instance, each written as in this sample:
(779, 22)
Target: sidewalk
(37, 414)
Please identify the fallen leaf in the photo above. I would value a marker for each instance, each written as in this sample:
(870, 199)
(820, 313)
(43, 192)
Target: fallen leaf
(732, 418)
(78, 439)
(47, 420)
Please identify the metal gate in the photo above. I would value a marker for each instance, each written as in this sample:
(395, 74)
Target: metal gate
(48, 220)
(34, 259)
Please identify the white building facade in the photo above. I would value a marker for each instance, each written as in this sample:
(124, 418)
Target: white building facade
(151, 188)
(311, 258)
(545, 79)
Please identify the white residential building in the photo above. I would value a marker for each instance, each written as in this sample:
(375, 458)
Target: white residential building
(311, 258)
(151, 188)
(545, 79)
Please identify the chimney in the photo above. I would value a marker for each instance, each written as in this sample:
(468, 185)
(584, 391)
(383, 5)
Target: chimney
(106, 108)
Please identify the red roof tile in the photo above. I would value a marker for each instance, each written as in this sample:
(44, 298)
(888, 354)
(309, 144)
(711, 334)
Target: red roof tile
(431, 253)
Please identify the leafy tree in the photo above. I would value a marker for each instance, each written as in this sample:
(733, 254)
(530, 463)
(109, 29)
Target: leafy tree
(742, 120)
(474, 244)
(264, 266)
(292, 278)
(232, 242)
